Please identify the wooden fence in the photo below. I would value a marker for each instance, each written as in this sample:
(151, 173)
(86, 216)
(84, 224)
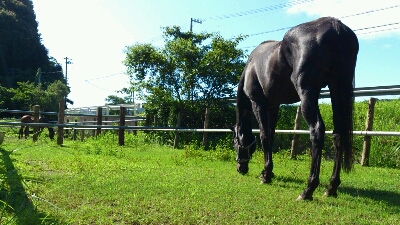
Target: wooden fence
(96, 122)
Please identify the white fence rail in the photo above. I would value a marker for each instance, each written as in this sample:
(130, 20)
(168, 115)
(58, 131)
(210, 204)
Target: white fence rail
(173, 129)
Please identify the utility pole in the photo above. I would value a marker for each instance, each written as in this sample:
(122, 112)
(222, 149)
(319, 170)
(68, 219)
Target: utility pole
(39, 75)
(194, 20)
(67, 61)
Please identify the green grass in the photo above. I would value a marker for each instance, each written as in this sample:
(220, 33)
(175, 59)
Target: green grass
(98, 182)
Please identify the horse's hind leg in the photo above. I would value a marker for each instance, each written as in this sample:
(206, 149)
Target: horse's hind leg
(26, 132)
(21, 132)
(311, 113)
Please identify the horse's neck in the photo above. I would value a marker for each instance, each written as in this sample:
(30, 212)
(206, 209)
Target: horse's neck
(244, 120)
(243, 109)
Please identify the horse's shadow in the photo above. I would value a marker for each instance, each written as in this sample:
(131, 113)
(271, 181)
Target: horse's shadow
(391, 198)
(15, 197)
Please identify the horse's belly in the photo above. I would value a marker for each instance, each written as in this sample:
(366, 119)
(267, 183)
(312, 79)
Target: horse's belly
(281, 93)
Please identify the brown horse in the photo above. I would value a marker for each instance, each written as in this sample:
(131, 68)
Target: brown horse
(311, 56)
(24, 130)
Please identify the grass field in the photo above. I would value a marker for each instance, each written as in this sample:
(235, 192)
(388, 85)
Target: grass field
(98, 182)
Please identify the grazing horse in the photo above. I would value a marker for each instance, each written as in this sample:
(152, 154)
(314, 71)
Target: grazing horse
(24, 130)
(311, 56)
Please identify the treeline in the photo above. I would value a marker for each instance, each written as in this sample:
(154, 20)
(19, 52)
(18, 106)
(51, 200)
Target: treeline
(24, 60)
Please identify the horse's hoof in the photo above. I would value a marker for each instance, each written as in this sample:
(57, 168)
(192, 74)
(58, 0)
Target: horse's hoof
(303, 197)
(328, 194)
(265, 181)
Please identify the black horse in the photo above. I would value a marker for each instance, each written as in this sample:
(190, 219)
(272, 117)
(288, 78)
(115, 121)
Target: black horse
(311, 56)
(24, 130)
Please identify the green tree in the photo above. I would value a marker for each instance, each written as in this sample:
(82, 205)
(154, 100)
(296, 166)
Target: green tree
(115, 100)
(191, 72)
(28, 94)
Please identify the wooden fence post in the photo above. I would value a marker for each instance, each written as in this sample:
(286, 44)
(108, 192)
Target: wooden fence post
(155, 120)
(135, 124)
(295, 141)
(178, 124)
(60, 130)
(121, 132)
(83, 131)
(94, 131)
(99, 120)
(206, 123)
(35, 120)
(67, 130)
(147, 123)
(74, 132)
(368, 127)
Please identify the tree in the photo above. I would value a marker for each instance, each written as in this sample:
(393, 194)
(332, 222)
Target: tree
(28, 94)
(192, 72)
(115, 100)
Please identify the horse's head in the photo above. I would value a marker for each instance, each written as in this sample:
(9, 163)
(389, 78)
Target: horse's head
(245, 146)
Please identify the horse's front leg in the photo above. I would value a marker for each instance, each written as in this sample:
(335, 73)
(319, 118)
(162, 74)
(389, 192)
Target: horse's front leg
(311, 113)
(267, 118)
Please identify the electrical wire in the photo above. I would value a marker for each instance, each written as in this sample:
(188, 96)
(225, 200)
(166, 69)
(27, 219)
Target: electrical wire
(370, 11)
(260, 10)
(244, 13)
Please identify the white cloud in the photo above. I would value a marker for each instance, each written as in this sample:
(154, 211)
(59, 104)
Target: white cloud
(357, 14)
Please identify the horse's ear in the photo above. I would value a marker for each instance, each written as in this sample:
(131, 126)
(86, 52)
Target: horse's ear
(232, 128)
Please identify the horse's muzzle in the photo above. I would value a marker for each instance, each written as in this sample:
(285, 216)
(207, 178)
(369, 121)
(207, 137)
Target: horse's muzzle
(243, 168)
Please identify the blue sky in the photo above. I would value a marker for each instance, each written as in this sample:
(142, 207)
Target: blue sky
(94, 33)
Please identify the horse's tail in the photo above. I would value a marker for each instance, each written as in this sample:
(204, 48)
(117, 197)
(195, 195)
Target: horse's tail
(342, 97)
(346, 136)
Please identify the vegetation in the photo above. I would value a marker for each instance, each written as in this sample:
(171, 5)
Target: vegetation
(99, 182)
(190, 73)
(24, 60)
(28, 94)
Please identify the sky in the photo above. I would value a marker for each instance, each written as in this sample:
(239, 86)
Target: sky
(93, 34)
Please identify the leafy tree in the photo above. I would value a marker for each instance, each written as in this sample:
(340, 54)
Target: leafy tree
(127, 99)
(191, 72)
(28, 94)
(115, 100)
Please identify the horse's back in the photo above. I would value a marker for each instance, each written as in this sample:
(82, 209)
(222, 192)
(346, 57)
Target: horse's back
(325, 45)
(26, 119)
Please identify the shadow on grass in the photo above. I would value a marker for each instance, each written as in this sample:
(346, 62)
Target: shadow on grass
(14, 198)
(288, 179)
(391, 198)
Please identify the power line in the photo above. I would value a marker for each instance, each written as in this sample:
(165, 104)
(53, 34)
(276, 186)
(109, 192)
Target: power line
(112, 75)
(98, 78)
(99, 87)
(357, 14)
(373, 27)
(260, 10)
(355, 30)
(289, 4)
(377, 31)
(245, 13)
(370, 11)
